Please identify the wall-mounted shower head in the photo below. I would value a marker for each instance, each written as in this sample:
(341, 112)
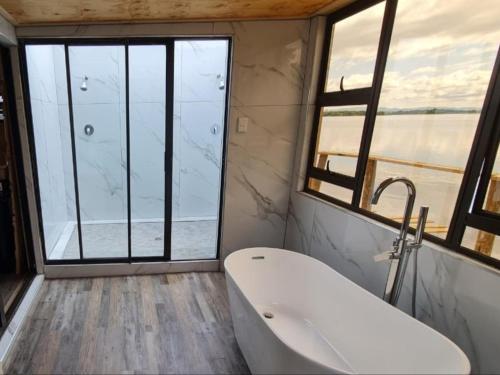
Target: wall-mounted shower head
(222, 84)
(83, 86)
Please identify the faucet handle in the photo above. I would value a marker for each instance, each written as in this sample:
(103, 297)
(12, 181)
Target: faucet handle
(386, 255)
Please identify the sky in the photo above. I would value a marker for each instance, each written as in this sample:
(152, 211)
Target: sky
(441, 55)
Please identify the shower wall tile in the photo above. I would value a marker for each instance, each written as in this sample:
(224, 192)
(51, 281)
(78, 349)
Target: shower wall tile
(200, 158)
(199, 106)
(176, 161)
(99, 159)
(105, 69)
(48, 144)
(147, 178)
(199, 65)
(147, 74)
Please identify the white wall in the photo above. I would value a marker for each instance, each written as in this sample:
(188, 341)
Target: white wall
(199, 104)
(101, 158)
(49, 135)
(455, 294)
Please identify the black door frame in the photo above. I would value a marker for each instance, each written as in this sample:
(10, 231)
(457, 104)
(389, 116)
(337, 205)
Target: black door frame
(169, 43)
(11, 117)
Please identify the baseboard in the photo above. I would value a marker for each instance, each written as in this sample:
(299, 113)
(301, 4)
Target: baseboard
(125, 269)
(14, 328)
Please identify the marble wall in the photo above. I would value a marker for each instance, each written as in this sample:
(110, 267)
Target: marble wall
(200, 87)
(455, 295)
(199, 108)
(267, 79)
(50, 136)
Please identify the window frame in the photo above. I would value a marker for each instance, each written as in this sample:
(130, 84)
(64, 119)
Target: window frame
(473, 188)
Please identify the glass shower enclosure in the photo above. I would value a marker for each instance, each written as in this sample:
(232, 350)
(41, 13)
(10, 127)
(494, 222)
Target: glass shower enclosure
(129, 143)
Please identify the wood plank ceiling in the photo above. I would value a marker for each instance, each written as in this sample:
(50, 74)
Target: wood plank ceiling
(40, 12)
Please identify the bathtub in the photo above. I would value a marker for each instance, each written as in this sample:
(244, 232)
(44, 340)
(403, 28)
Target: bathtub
(294, 314)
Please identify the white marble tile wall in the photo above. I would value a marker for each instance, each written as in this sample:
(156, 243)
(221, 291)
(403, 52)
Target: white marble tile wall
(147, 72)
(199, 102)
(48, 132)
(101, 160)
(455, 295)
(267, 77)
(101, 157)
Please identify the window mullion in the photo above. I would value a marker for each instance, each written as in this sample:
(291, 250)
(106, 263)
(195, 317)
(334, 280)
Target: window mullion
(371, 113)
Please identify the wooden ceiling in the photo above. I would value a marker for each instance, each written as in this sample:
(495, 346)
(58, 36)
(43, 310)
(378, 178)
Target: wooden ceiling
(42, 12)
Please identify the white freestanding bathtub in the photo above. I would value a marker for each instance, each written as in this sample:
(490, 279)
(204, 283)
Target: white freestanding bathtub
(324, 323)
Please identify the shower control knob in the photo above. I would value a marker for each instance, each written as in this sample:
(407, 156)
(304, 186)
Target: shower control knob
(88, 129)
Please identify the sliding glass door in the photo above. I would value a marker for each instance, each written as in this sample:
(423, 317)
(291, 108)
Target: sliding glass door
(199, 110)
(129, 144)
(97, 76)
(147, 100)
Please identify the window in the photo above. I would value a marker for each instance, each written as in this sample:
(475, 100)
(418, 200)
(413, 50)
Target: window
(409, 94)
(352, 54)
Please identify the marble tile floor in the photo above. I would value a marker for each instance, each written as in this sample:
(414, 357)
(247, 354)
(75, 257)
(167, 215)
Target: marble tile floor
(190, 240)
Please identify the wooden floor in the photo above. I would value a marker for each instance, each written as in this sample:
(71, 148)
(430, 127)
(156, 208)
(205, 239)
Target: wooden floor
(177, 323)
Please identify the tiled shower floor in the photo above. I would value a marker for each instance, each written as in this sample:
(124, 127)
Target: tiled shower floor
(190, 240)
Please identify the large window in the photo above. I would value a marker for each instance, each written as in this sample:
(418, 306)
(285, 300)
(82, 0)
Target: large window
(407, 93)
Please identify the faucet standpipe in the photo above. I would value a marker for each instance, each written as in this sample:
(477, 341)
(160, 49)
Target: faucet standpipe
(402, 248)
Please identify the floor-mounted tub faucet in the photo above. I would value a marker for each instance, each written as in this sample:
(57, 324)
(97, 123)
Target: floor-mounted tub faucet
(402, 249)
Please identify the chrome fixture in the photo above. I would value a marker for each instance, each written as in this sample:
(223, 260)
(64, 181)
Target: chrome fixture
(88, 130)
(222, 84)
(214, 129)
(83, 86)
(402, 249)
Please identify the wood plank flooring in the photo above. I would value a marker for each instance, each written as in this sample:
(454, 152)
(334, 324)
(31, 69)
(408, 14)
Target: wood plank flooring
(176, 323)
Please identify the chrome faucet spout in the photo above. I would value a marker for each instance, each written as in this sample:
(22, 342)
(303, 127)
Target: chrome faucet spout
(400, 252)
(410, 201)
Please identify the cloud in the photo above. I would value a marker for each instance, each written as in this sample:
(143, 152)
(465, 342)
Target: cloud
(441, 54)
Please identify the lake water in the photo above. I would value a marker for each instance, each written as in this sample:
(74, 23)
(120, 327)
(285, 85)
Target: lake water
(443, 139)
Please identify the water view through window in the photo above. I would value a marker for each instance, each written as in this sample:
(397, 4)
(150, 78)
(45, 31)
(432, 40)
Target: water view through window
(434, 87)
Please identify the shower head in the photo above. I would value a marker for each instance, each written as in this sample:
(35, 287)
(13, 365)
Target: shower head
(83, 86)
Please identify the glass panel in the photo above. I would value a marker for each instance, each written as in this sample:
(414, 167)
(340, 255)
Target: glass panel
(147, 90)
(492, 201)
(98, 92)
(199, 107)
(332, 190)
(49, 109)
(353, 49)
(483, 242)
(434, 87)
(339, 138)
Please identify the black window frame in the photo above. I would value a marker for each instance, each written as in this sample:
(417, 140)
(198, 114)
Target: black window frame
(475, 181)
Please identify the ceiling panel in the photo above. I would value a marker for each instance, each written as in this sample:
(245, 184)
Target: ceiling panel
(37, 12)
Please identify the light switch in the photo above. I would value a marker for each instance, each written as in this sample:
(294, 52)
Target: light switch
(242, 125)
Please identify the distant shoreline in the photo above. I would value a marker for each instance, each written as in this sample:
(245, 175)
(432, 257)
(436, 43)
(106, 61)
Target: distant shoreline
(396, 112)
